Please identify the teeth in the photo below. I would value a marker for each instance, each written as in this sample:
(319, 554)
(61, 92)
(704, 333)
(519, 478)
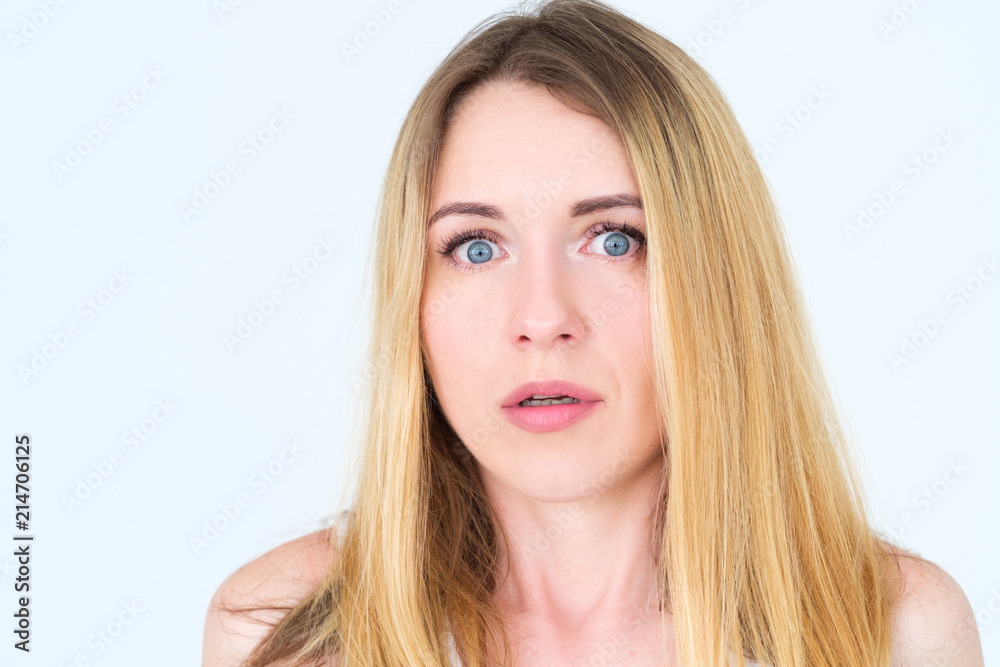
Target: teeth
(535, 403)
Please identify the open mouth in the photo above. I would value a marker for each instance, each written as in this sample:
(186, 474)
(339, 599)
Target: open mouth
(541, 401)
(541, 414)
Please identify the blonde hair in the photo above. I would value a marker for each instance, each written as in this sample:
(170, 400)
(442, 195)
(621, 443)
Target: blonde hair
(765, 550)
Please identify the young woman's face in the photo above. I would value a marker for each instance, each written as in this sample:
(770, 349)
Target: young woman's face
(537, 290)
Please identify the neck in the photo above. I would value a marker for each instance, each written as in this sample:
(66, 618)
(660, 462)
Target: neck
(570, 567)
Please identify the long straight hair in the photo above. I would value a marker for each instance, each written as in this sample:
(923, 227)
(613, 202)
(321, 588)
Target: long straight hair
(765, 551)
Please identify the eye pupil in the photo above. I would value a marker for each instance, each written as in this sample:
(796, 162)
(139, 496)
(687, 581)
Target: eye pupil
(480, 252)
(616, 244)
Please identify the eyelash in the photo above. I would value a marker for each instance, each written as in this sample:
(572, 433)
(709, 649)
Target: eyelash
(448, 246)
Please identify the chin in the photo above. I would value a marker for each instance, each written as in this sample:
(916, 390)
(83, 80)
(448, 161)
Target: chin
(551, 482)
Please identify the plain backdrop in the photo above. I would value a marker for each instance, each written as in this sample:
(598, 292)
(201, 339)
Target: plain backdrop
(120, 307)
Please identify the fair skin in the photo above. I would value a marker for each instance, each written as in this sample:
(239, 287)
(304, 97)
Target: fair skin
(574, 504)
(580, 569)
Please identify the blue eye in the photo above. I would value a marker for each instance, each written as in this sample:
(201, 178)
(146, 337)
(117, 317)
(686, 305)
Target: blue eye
(616, 244)
(480, 251)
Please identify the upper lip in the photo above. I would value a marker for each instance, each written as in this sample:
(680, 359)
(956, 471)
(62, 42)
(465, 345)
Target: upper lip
(549, 388)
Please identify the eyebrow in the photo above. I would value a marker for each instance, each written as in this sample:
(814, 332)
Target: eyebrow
(582, 207)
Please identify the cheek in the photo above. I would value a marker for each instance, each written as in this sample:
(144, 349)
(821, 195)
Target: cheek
(458, 314)
(620, 316)
(453, 342)
(627, 345)
(447, 321)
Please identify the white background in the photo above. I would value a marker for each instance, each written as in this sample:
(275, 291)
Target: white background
(162, 335)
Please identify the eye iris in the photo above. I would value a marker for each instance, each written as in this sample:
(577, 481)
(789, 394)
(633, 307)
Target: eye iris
(616, 244)
(480, 252)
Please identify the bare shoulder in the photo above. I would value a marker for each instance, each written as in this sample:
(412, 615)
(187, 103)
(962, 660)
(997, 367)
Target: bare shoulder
(282, 577)
(933, 622)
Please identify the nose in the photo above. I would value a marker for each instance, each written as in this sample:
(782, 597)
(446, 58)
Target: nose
(545, 304)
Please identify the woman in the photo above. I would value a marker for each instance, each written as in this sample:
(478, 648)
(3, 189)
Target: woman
(599, 433)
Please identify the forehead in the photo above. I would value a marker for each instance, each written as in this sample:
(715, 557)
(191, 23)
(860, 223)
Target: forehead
(510, 140)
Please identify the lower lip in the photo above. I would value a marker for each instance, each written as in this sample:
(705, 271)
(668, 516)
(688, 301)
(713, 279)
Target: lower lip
(547, 418)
